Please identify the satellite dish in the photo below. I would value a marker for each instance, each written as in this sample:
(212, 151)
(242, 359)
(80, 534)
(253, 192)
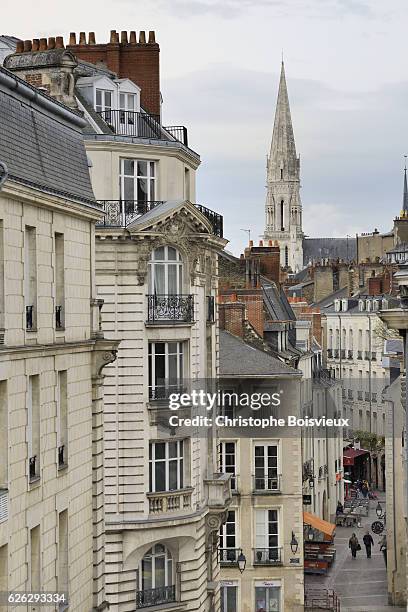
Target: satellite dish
(3, 173)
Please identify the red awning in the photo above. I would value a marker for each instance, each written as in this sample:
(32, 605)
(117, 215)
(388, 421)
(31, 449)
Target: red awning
(351, 453)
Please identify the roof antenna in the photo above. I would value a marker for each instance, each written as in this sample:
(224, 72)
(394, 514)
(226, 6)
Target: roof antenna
(248, 231)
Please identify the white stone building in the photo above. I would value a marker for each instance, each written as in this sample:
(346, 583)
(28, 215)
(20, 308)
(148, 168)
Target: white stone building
(51, 355)
(283, 208)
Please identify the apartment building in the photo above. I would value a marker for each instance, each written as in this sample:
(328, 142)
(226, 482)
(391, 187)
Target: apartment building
(264, 522)
(52, 353)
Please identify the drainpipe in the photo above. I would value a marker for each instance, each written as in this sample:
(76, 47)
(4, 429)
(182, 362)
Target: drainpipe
(394, 510)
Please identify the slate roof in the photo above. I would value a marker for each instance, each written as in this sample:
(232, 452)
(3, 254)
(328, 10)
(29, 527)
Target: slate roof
(315, 249)
(238, 358)
(41, 141)
(276, 302)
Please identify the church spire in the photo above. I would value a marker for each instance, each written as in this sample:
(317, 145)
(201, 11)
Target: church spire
(404, 212)
(283, 162)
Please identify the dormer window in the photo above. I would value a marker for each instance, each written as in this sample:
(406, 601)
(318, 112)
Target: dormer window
(103, 100)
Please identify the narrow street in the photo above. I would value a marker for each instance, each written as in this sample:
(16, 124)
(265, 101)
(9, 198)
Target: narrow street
(360, 583)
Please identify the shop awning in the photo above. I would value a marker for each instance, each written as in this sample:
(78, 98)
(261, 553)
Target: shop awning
(351, 453)
(319, 524)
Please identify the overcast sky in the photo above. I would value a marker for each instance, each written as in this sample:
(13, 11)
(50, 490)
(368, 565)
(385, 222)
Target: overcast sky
(346, 69)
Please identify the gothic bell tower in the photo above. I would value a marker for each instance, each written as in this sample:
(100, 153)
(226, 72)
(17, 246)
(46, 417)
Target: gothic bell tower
(283, 208)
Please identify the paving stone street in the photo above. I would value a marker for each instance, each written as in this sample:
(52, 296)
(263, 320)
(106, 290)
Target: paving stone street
(360, 583)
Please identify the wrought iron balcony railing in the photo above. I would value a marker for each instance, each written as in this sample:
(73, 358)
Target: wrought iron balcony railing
(155, 597)
(29, 317)
(268, 556)
(58, 317)
(179, 132)
(163, 391)
(130, 123)
(214, 218)
(174, 308)
(267, 484)
(120, 213)
(228, 556)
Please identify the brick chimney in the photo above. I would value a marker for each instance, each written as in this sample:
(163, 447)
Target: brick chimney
(232, 317)
(268, 256)
(137, 61)
(375, 285)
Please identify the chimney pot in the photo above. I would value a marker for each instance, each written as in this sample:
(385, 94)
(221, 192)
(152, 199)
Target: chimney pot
(43, 44)
(51, 42)
(152, 37)
(270, 243)
(27, 46)
(251, 243)
(142, 37)
(35, 46)
(72, 38)
(123, 37)
(82, 38)
(59, 42)
(20, 46)
(91, 38)
(117, 37)
(132, 37)
(261, 243)
(113, 36)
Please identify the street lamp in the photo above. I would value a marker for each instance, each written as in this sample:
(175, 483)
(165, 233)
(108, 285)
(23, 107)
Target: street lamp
(378, 510)
(294, 544)
(241, 561)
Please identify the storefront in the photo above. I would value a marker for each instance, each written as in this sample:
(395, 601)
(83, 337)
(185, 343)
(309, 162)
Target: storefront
(319, 549)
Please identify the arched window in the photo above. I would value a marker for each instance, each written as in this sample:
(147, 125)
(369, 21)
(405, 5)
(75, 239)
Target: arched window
(156, 578)
(282, 217)
(165, 271)
(286, 256)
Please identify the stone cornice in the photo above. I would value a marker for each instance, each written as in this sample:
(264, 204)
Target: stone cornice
(43, 350)
(35, 197)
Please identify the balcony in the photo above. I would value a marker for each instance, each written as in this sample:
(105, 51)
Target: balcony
(3, 505)
(155, 597)
(336, 353)
(359, 354)
(179, 132)
(367, 355)
(170, 308)
(268, 556)
(163, 392)
(373, 356)
(228, 556)
(343, 353)
(120, 213)
(266, 485)
(350, 354)
(169, 501)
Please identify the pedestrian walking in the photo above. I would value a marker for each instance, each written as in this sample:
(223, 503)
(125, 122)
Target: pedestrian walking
(339, 509)
(354, 545)
(383, 547)
(368, 543)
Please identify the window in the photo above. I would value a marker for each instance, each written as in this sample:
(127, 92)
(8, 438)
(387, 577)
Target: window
(103, 102)
(266, 536)
(268, 597)
(59, 281)
(228, 405)
(165, 271)
(127, 102)
(30, 277)
(166, 466)
(282, 210)
(138, 181)
(33, 405)
(127, 113)
(228, 461)
(35, 567)
(63, 565)
(165, 363)
(286, 256)
(266, 467)
(156, 578)
(186, 183)
(229, 597)
(62, 419)
(3, 435)
(228, 538)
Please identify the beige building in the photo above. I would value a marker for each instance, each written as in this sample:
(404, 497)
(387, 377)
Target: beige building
(265, 468)
(51, 356)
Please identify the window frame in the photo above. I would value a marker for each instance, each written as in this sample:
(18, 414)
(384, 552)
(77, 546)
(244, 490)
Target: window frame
(223, 467)
(167, 263)
(180, 354)
(169, 575)
(266, 467)
(178, 459)
(149, 177)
